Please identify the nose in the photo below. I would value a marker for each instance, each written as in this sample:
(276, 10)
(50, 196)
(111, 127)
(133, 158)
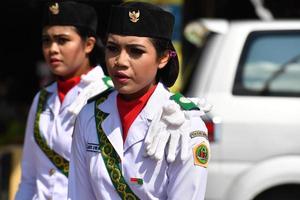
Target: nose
(121, 59)
(53, 47)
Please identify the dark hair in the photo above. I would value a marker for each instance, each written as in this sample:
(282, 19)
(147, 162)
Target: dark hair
(97, 54)
(169, 73)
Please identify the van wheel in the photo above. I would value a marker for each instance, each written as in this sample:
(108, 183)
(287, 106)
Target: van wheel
(286, 192)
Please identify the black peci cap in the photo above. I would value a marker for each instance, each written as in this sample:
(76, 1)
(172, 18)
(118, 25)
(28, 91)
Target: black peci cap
(70, 13)
(141, 19)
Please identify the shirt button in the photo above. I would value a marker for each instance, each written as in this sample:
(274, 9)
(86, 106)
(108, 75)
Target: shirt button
(51, 171)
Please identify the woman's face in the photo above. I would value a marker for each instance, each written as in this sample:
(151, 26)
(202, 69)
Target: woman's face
(132, 64)
(65, 52)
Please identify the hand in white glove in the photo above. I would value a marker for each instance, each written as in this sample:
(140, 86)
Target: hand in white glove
(93, 86)
(168, 127)
(202, 104)
(179, 138)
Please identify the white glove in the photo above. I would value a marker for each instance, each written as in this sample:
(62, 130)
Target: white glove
(94, 86)
(202, 104)
(168, 128)
(91, 90)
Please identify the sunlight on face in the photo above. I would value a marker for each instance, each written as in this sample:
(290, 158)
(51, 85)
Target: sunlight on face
(132, 64)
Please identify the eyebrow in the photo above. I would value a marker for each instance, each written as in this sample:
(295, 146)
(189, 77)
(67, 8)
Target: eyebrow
(127, 45)
(136, 45)
(56, 35)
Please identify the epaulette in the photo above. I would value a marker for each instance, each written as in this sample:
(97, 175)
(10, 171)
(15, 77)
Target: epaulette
(105, 93)
(183, 102)
(108, 82)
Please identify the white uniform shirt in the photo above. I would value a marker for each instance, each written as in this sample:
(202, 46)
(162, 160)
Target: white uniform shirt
(89, 178)
(40, 178)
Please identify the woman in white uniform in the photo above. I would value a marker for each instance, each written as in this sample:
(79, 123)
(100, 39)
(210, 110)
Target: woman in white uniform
(70, 49)
(113, 131)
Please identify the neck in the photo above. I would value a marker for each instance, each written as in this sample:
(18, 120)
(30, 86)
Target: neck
(138, 94)
(78, 73)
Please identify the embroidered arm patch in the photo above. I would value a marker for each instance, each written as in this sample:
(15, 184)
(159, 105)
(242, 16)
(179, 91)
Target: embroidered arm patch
(201, 154)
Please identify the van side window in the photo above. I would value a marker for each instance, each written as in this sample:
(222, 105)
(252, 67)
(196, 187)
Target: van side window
(269, 65)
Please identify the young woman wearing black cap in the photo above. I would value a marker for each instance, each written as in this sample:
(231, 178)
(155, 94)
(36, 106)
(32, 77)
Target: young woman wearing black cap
(112, 132)
(69, 45)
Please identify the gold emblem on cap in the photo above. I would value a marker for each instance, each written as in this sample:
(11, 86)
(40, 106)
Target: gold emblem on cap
(54, 9)
(134, 16)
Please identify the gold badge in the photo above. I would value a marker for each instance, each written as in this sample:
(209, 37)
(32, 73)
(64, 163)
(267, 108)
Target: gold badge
(201, 154)
(134, 16)
(54, 9)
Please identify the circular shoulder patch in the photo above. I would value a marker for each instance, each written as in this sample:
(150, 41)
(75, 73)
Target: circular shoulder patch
(201, 154)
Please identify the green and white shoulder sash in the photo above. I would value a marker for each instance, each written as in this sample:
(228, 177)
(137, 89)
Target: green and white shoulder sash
(60, 162)
(109, 154)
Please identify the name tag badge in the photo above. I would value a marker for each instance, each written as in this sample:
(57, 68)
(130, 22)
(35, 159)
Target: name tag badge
(91, 147)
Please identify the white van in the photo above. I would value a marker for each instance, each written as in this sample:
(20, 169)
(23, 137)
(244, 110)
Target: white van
(250, 72)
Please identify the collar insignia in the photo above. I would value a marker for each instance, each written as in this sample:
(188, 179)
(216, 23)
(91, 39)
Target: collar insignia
(134, 16)
(54, 9)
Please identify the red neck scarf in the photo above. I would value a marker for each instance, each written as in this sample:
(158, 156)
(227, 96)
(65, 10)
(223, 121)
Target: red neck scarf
(129, 110)
(65, 86)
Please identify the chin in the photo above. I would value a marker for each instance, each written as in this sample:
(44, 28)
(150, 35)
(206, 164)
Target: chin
(123, 90)
(126, 90)
(59, 74)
